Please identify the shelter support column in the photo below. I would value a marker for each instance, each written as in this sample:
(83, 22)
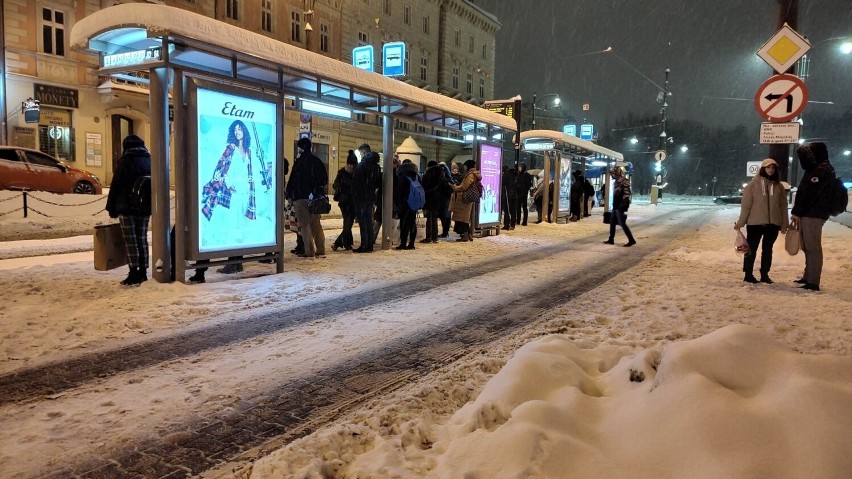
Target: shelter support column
(387, 181)
(159, 147)
(545, 178)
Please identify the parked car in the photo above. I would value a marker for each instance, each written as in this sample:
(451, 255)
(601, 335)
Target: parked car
(32, 170)
(728, 199)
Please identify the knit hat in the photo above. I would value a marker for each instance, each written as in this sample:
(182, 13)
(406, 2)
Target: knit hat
(304, 144)
(133, 141)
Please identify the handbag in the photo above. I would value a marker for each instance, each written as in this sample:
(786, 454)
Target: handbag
(740, 243)
(473, 193)
(319, 205)
(793, 240)
(110, 251)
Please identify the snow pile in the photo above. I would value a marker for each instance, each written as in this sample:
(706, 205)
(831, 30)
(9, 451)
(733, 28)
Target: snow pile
(732, 403)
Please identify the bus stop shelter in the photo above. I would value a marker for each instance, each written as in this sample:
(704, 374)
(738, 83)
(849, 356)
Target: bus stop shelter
(217, 75)
(562, 154)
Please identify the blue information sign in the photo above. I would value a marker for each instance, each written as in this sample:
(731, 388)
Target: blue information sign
(362, 57)
(393, 59)
(570, 130)
(587, 131)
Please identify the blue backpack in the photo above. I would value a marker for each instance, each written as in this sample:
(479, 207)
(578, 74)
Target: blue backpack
(416, 194)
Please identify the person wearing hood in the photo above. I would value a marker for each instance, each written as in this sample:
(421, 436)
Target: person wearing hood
(812, 208)
(621, 194)
(135, 162)
(524, 184)
(461, 210)
(576, 195)
(343, 196)
(764, 214)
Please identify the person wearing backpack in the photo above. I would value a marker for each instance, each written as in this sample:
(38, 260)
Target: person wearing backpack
(132, 212)
(409, 196)
(812, 207)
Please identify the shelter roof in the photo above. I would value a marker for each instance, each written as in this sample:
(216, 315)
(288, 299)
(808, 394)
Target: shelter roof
(568, 143)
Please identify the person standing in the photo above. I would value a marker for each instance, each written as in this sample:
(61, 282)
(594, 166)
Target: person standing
(446, 195)
(135, 162)
(812, 208)
(308, 180)
(524, 184)
(509, 197)
(588, 197)
(343, 195)
(407, 173)
(461, 210)
(434, 183)
(366, 181)
(764, 214)
(576, 193)
(620, 204)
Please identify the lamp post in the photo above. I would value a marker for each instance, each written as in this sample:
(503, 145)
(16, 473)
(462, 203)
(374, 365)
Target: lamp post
(535, 101)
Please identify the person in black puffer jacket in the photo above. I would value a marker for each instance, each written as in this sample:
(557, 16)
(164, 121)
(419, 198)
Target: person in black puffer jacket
(134, 163)
(811, 208)
(343, 195)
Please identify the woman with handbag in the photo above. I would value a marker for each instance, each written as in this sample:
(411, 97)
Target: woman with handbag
(308, 181)
(134, 163)
(764, 214)
(460, 208)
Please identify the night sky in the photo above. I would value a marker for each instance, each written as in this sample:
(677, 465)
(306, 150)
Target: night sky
(555, 46)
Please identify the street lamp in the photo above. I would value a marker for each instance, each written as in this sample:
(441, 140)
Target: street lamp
(535, 101)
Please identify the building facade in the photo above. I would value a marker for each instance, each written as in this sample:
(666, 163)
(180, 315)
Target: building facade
(84, 116)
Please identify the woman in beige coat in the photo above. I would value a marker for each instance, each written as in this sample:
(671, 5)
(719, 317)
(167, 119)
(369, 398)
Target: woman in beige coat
(461, 210)
(764, 214)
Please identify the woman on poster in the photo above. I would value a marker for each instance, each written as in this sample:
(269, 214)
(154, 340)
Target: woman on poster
(232, 186)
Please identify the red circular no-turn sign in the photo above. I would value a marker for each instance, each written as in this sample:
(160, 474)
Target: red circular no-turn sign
(781, 98)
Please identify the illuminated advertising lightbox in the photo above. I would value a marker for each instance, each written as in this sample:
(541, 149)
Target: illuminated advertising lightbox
(564, 184)
(237, 161)
(490, 166)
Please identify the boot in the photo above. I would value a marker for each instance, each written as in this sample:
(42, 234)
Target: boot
(198, 277)
(142, 275)
(464, 237)
(131, 277)
(764, 278)
(749, 278)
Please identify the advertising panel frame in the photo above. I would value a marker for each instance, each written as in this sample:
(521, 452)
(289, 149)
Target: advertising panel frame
(263, 239)
(491, 169)
(563, 171)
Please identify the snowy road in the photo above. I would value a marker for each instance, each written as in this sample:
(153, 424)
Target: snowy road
(201, 396)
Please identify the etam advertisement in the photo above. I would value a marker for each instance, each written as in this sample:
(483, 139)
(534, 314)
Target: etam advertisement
(236, 171)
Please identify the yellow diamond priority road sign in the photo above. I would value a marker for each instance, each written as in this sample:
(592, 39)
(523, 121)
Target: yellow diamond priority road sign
(784, 49)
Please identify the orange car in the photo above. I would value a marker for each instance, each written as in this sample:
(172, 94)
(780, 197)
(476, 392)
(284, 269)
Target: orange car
(26, 169)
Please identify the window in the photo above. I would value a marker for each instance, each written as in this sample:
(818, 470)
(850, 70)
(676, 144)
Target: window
(406, 15)
(484, 52)
(455, 78)
(387, 7)
(407, 57)
(324, 34)
(232, 9)
(481, 87)
(457, 38)
(469, 83)
(470, 45)
(424, 68)
(53, 31)
(296, 27)
(363, 39)
(426, 25)
(266, 15)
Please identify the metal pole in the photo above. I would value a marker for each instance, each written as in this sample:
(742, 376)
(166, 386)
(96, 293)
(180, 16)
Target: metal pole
(387, 179)
(533, 115)
(5, 119)
(788, 12)
(159, 146)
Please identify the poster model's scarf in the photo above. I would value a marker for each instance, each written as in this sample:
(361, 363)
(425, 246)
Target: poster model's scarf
(216, 191)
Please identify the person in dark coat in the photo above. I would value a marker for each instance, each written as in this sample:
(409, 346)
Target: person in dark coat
(576, 195)
(406, 172)
(343, 196)
(308, 180)
(366, 181)
(509, 197)
(446, 198)
(588, 197)
(538, 200)
(435, 181)
(462, 211)
(135, 162)
(812, 207)
(523, 185)
(620, 203)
